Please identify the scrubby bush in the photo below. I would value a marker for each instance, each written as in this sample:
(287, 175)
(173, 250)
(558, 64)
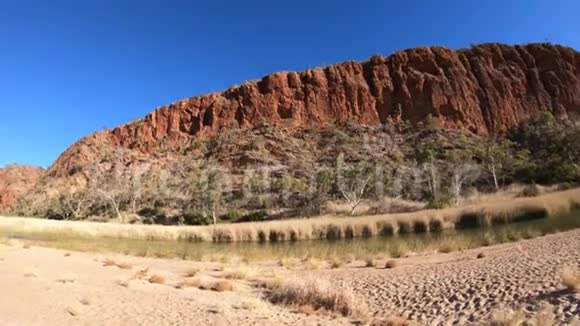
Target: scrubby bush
(195, 218)
(231, 216)
(258, 216)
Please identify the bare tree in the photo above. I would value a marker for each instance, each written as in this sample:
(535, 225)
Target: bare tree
(210, 187)
(75, 204)
(462, 175)
(109, 183)
(353, 183)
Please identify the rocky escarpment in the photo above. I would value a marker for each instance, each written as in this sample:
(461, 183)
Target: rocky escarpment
(487, 89)
(15, 180)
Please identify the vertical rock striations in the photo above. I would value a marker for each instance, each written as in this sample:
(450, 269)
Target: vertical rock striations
(487, 89)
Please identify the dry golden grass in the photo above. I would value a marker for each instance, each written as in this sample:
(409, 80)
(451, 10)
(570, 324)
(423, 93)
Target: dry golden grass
(369, 262)
(222, 286)
(30, 274)
(392, 321)
(570, 278)
(291, 262)
(140, 274)
(316, 294)
(121, 265)
(207, 283)
(240, 273)
(509, 317)
(191, 272)
(335, 262)
(156, 279)
(498, 210)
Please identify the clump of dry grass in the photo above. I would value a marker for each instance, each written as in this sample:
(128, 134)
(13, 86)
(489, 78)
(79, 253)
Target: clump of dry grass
(398, 250)
(312, 264)
(509, 317)
(240, 273)
(369, 262)
(156, 279)
(570, 278)
(121, 265)
(206, 283)
(390, 264)
(334, 263)
(317, 294)
(30, 274)
(392, 321)
(191, 272)
(140, 274)
(222, 286)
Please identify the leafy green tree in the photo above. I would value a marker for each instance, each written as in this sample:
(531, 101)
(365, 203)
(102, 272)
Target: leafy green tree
(501, 159)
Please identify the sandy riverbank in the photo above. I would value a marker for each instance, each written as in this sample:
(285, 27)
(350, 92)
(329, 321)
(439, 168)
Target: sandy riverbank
(55, 287)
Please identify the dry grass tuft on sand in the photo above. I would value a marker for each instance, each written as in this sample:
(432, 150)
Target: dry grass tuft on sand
(240, 273)
(207, 283)
(329, 227)
(509, 317)
(392, 321)
(121, 265)
(571, 278)
(390, 264)
(191, 272)
(156, 279)
(315, 294)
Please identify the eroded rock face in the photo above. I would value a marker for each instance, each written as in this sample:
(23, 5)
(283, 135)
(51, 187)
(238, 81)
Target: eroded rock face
(15, 180)
(487, 89)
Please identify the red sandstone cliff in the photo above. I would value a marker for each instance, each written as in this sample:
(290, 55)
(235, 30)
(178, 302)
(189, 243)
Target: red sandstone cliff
(15, 180)
(486, 89)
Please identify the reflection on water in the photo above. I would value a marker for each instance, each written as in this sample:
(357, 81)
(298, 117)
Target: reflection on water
(394, 246)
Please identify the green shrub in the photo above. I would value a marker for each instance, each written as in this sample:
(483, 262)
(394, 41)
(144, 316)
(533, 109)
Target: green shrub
(258, 216)
(195, 218)
(231, 216)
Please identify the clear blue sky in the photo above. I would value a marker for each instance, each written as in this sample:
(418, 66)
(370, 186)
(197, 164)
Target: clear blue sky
(69, 68)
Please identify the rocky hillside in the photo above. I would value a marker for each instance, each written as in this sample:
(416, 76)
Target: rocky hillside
(487, 89)
(16, 180)
(418, 106)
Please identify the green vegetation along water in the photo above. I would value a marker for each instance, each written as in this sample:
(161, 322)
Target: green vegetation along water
(359, 248)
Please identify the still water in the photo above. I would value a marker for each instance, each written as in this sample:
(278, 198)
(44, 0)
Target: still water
(393, 246)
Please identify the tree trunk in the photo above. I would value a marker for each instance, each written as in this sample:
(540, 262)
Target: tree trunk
(213, 214)
(494, 175)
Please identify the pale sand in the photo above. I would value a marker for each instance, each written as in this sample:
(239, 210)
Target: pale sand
(42, 286)
(459, 288)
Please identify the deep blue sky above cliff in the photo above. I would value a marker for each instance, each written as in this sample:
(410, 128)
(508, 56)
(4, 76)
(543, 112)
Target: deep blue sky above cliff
(69, 68)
